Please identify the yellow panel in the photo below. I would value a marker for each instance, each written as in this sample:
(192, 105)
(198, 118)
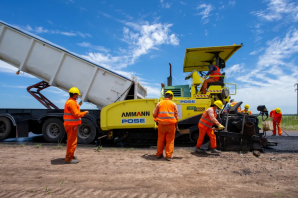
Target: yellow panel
(194, 57)
(128, 114)
(190, 107)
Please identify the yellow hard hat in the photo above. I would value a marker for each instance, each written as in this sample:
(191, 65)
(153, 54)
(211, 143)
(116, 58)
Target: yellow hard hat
(277, 110)
(74, 90)
(219, 104)
(246, 106)
(170, 92)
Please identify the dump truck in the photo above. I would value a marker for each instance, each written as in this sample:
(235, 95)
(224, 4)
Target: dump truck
(124, 113)
(60, 68)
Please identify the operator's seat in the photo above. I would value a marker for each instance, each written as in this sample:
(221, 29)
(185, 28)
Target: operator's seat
(221, 81)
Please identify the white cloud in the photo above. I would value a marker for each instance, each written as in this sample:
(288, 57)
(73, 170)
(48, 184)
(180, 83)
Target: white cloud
(165, 5)
(7, 68)
(42, 30)
(277, 9)
(271, 81)
(206, 12)
(232, 3)
(256, 51)
(237, 69)
(140, 39)
(183, 3)
(98, 48)
(15, 86)
(206, 32)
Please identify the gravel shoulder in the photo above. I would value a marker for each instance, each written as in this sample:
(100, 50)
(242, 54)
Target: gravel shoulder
(28, 171)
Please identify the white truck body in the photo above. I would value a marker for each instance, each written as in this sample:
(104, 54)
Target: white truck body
(64, 69)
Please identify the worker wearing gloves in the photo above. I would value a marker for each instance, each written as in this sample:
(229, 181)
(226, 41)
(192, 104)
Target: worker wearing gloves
(166, 115)
(72, 120)
(276, 117)
(246, 110)
(214, 75)
(206, 122)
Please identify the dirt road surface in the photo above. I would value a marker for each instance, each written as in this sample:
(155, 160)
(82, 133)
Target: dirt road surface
(33, 171)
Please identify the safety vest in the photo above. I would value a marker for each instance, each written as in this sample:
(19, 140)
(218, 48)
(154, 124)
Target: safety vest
(205, 119)
(238, 109)
(68, 117)
(275, 116)
(248, 111)
(166, 111)
(215, 73)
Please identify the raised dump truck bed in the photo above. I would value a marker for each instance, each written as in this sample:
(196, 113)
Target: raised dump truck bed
(63, 69)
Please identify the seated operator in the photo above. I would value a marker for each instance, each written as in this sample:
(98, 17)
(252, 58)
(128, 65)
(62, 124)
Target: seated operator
(213, 73)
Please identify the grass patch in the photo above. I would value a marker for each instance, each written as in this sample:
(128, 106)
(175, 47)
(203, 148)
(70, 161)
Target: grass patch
(22, 145)
(37, 146)
(287, 122)
(59, 146)
(98, 149)
(47, 190)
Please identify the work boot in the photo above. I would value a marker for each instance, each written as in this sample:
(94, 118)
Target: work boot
(199, 150)
(75, 157)
(159, 157)
(168, 159)
(215, 151)
(273, 135)
(74, 161)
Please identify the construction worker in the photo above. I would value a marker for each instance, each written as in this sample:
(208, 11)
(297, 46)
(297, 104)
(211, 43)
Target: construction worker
(228, 107)
(206, 122)
(166, 115)
(72, 120)
(276, 117)
(214, 75)
(246, 109)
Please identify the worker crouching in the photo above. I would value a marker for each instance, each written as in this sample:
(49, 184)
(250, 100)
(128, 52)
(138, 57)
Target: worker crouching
(276, 117)
(166, 115)
(206, 122)
(72, 120)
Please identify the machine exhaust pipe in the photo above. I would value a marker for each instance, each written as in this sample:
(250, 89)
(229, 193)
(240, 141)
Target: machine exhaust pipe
(170, 77)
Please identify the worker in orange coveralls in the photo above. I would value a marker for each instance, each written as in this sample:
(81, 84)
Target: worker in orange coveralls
(206, 122)
(214, 75)
(276, 117)
(166, 115)
(72, 120)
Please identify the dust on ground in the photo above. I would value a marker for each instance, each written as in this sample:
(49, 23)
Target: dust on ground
(39, 171)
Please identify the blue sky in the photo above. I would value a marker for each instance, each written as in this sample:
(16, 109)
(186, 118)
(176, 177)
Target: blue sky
(140, 38)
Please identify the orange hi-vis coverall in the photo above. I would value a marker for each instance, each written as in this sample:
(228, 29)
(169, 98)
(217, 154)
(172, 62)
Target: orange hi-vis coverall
(205, 126)
(166, 114)
(213, 77)
(248, 111)
(276, 119)
(72, 120)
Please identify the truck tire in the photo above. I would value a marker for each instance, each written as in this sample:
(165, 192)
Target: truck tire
(86, 132)
(53, 130)
(5, 127)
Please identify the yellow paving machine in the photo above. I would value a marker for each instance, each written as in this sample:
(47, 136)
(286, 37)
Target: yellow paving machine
(131, 121)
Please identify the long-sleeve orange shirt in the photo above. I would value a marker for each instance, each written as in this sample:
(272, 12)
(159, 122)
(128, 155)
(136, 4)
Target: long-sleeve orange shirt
(74, 108)
(276, 116)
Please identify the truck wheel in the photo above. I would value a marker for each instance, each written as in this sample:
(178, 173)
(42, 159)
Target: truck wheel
(53, 130)
(86, 132)
(5, 128)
